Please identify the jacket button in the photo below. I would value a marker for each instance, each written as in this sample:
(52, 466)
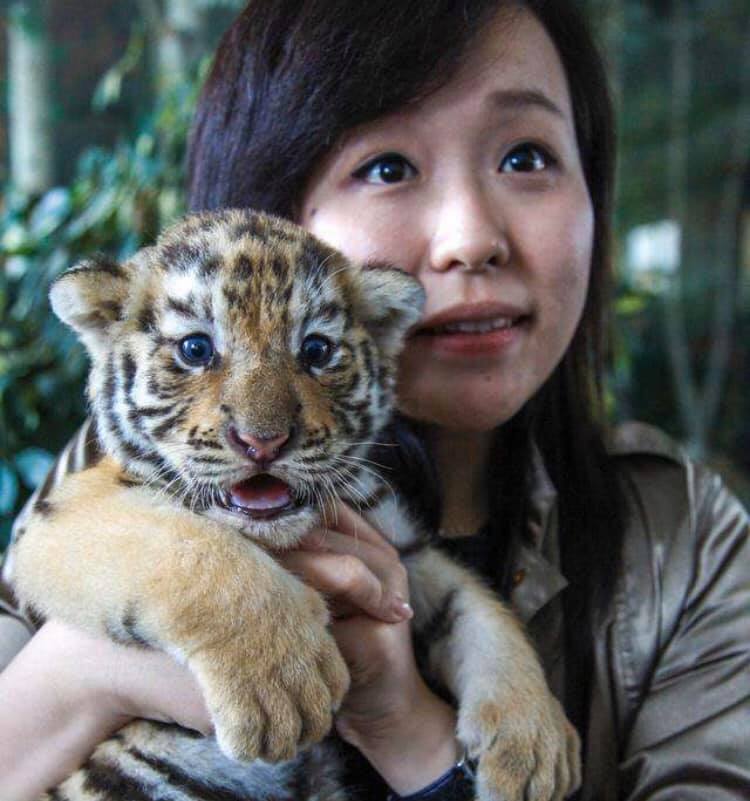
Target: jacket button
(518, 577)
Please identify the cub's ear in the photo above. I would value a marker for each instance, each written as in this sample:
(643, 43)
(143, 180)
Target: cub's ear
(90, 296)
(388, 301)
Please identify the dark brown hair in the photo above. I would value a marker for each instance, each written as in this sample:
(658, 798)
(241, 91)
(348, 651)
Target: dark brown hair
(288, 80)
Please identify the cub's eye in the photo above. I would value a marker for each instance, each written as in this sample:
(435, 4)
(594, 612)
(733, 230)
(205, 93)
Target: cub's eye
(316, 351)
(197, 350)
(526, 157)
(390, 168)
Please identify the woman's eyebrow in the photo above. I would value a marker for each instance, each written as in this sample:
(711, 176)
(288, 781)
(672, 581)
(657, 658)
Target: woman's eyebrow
(518, 99)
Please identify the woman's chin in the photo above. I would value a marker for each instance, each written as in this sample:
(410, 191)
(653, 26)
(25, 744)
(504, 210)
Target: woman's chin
(457, 412)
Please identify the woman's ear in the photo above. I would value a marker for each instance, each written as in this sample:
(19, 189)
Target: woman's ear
(389, 302)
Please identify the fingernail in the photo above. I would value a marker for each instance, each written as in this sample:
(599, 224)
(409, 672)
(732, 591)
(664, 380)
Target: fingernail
(402, 610)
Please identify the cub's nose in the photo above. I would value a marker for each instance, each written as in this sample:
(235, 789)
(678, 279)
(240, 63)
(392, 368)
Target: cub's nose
(261, 450)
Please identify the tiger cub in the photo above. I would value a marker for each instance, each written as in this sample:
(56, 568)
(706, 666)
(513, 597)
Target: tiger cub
(240, 371)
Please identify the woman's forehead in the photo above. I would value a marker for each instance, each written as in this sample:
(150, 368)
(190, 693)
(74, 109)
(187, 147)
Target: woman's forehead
(511, 67)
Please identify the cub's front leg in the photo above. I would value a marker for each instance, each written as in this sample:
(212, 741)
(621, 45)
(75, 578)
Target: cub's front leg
(114, 560)
(507, 717)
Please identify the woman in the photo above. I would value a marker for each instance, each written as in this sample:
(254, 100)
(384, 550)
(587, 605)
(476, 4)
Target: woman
(471, 144)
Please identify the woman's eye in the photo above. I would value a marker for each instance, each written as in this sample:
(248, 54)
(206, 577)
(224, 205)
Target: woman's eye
(316, 351)
(197, 350)
(390, 168)
(526, 158)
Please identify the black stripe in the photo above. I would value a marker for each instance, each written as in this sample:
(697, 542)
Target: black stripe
(207, 460)
(251, 226)
(126, 481)
(197, 443)
(301, 787)
(113, 309)
(233, 297)
(128, 368)
(49, 482)
(209, 266)
(151, 411)
(368, 357)
(100, 263)
(279, 267)
(179, 255)
(440, 625)
(170, 422)
(243, 268)
(179, 306)
(374, 499)
(147, 320)
(312, 458)
(105, 776)
(176, 777)
(92, 450)
(329, 311)
(358, 407)
(44, 507)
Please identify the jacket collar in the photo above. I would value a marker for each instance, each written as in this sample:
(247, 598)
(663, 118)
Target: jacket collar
(536, 570)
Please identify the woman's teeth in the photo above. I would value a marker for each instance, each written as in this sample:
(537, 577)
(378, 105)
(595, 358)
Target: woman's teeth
(474, 326)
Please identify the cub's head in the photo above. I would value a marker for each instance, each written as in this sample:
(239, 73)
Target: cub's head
(243, 365)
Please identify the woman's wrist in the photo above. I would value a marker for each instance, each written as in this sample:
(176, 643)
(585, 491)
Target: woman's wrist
(410, 748)
(55, 712)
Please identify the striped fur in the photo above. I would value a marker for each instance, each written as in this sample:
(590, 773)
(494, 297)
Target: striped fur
(141, 544)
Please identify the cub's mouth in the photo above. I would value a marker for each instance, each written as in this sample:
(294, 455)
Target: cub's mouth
(261, 497)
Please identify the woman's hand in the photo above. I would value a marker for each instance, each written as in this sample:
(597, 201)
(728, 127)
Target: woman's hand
(67, 690)
(404, 730)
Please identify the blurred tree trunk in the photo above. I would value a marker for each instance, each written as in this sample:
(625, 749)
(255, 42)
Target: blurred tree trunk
(175, 28)
(612, 16)
(699, 405)
(677, 146)
(726, 248)
(29, 97)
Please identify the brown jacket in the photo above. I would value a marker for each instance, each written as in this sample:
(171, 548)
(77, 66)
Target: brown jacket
(669, 712)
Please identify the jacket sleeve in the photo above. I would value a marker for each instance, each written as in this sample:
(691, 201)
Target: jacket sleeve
(688, 734)
(15, 629)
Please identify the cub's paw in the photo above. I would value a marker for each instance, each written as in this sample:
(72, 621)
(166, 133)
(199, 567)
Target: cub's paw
(526, 748)
(274, 690)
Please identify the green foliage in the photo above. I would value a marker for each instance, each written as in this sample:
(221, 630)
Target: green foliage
(117, 201)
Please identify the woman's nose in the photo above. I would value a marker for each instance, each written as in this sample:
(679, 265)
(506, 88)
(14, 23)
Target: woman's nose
(470, 232)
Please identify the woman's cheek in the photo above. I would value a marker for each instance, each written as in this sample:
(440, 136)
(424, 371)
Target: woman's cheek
(363, 232)
(568, 282)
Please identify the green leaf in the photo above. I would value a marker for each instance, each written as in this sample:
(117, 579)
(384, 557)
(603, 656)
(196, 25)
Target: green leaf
(50, 212)
(33, 465)
(15, 238)
(100, 207)
(108, 90)
(630, 304)
(8, 488)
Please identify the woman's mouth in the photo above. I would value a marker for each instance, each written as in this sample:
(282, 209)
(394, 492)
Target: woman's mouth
(466, 331)
(471, 326)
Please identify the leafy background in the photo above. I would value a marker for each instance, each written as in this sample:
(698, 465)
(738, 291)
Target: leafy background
(124, 78)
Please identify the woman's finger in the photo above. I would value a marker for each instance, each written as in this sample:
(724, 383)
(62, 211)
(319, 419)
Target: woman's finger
(383, 561)
(349, 582)
(344, 519)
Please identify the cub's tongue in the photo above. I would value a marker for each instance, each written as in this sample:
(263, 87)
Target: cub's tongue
(261, 494)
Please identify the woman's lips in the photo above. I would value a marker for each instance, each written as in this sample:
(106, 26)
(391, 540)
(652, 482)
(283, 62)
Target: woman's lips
(472, 330)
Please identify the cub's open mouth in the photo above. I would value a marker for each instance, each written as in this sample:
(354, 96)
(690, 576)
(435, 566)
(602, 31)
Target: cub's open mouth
(261, 497)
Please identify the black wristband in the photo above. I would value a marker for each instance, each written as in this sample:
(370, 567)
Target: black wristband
(457, 784)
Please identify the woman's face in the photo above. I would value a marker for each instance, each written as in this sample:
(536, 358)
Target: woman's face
(478, 191)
